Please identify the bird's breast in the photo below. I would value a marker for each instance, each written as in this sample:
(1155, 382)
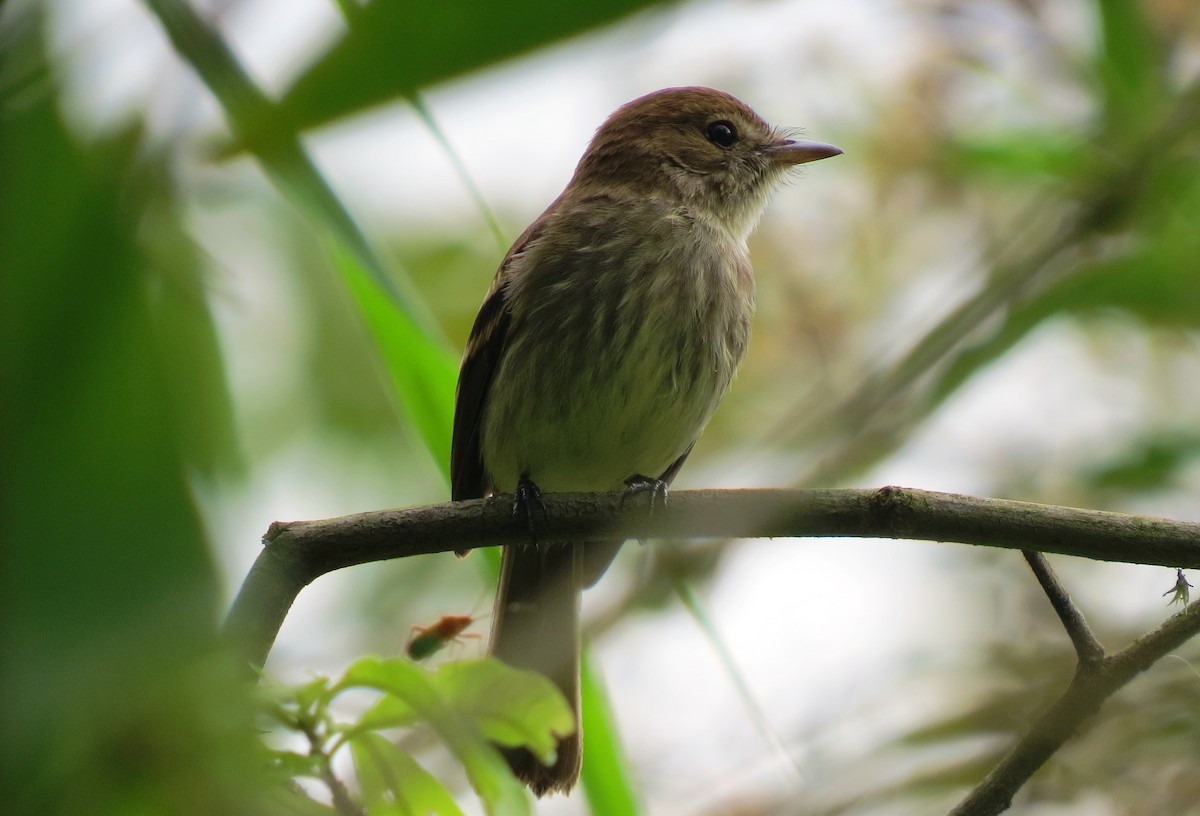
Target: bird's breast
(620, 347)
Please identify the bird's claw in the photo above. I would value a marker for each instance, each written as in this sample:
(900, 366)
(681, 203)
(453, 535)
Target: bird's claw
(527, 504)
(637, 484)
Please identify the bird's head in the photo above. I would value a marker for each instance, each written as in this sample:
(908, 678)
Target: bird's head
(699, 148)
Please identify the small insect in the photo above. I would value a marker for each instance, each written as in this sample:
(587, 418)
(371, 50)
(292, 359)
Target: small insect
(1179, 593)
(427, 641)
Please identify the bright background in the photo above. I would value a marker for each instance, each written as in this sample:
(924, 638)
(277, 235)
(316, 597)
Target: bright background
(996, 291)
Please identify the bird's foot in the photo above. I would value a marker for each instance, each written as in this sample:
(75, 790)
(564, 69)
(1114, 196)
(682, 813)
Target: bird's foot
(527, 504)
(637, 484)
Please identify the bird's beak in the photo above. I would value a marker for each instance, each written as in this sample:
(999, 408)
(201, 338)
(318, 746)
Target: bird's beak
(798, 151)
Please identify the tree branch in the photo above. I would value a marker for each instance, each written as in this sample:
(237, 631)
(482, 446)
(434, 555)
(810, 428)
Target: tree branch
(1092, 684)
(297, 553)
(1087, 648)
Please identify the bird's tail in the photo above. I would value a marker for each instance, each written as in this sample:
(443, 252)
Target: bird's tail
(535, 626)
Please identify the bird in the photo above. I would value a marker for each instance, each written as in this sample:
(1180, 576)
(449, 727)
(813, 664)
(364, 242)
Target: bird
(611, 331)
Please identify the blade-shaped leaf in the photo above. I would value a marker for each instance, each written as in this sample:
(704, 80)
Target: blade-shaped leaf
(1129, 66)
(394, 49)
(607, 781)
(392, 782)
(422, 371)
(409, 337)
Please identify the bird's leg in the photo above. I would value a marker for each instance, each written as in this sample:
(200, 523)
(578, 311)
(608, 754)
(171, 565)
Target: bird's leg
(527, 503)
(638, 484)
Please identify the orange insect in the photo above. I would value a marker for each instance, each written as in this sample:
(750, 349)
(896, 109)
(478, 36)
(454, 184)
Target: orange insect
(427, 641)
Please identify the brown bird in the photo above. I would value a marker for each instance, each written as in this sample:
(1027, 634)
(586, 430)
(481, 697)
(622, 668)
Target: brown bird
(612, 330)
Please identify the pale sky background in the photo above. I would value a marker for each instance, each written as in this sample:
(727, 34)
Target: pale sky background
(853, 615)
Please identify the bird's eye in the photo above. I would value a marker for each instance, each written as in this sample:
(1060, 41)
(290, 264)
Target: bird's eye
(722, 133)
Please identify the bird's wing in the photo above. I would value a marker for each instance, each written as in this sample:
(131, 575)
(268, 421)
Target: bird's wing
(481, 360)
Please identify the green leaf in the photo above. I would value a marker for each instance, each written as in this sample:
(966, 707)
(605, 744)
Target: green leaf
(392, 782)
(422, 371)
(294, 706)
(185, 333)
(607, 782)
(392, 50)
(1130, 66)
(389, 712)
(1017, 158)
(311, 693)
(511, 706)
(497, 787)
(293, 764)
(1151, 463)
(399, 318)
(115, 697)
(288, 800)
(1153, 280)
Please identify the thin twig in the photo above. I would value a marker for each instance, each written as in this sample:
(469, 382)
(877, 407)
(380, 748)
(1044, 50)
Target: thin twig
(343, 802)
(1088, 649)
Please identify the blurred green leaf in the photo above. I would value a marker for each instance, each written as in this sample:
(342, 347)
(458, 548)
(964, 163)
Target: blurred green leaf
(392, 782)
(291, 801)
(295, 765)
(417, 689)
(1152, 463)
(1019, 157)
(1150, 276)
(512, 707)
(1153, 281)
(607, 781)
(1130, 67)
(423, 372)
(957, 775)
(414, 362)
(185, 334)
(116, 697)
(312, 694)
(509, 706)
(392, 50)
(391, 711)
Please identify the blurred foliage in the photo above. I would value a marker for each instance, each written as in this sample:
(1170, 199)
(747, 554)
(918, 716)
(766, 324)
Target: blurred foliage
(1138, 744)
(116, 699)
(1096, 221)
(1058, 143)
(607, 778)
(468, 704)
(392, 50)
